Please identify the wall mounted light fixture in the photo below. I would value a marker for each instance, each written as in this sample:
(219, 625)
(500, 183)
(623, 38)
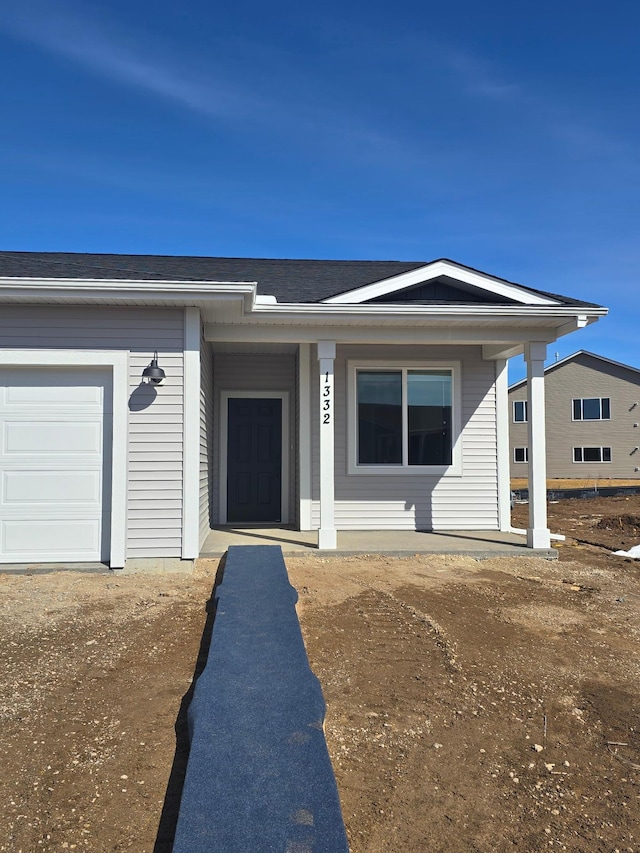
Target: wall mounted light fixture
(153, 374)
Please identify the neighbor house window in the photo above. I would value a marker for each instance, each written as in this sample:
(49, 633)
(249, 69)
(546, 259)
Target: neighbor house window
(520, 412)
(520, 454)
(592, 409)
(592, 454)
(403, 417)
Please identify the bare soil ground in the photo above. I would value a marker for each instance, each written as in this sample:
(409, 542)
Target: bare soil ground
(472, 705)
(577, 483)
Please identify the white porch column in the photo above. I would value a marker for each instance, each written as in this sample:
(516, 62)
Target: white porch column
(304, 435)
(327, 537)
(502, 425)
(537, 532)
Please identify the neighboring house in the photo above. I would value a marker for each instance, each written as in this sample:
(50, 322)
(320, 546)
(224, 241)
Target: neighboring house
(592, 417)
(320, 394)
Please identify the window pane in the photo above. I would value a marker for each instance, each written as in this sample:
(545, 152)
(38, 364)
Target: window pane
(591, 454)
(577, 454)
(429, 417)
(577, 410)
(606, 409)
(379, 417)
(591, 409)
(520, 454)
(520, 411)
(606, 454)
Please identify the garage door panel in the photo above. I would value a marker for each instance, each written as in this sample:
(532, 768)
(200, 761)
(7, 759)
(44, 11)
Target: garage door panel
(57, 385)
(63, 488)
(46, 437)
(53, 539)
(55, 395)
(55, 461)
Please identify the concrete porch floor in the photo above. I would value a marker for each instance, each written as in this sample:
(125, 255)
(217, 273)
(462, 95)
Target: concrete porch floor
(481, 544)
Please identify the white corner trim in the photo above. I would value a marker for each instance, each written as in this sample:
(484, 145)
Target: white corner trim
(453, 470)
(304, 435)
(118, 361)
(502, 442)
(225, 396)
(434, 270)
(191, 436)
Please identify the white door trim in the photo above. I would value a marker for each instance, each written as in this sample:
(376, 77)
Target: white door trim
(118, 362)
(225, 396)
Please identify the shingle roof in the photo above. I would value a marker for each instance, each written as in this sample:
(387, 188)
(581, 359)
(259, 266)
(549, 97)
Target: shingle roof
(288, 280)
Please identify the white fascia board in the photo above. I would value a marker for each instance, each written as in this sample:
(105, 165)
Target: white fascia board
(315, 309)
(431, 271)
(100, 288)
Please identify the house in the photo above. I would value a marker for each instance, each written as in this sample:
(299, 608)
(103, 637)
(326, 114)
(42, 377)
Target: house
(325, 395)
(592, 417)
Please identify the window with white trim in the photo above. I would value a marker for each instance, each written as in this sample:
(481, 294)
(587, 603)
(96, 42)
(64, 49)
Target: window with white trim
(403, 416)
(520, 411)
(520, 454)
(592, 454)
(592, 409)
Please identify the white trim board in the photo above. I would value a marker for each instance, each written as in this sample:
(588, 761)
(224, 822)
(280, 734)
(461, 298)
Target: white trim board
(502, 446)
(284, 477)
(191, 437)
(435, 270)
(118, 361)
(304, 436)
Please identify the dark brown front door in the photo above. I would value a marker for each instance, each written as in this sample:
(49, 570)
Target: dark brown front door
(254, 460)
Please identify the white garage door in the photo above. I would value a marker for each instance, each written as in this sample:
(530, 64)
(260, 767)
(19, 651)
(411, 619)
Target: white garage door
(55, 439)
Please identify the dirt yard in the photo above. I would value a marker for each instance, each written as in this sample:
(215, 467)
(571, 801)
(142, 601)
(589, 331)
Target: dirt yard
(472, 706)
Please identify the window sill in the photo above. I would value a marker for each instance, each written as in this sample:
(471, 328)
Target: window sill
(404, 471)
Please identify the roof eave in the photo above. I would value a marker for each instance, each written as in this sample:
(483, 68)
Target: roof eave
(562, 318)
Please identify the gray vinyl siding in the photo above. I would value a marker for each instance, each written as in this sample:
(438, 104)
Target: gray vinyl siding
(414, 502)
(206, 437)
(518, 436)
(254, 372)
(154, 493)
(585, 377)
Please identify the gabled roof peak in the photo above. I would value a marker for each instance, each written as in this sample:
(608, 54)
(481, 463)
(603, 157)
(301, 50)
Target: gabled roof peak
(573, 357)
(479, 281)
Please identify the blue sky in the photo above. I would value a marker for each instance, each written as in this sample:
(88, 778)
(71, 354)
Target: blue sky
(502, 135)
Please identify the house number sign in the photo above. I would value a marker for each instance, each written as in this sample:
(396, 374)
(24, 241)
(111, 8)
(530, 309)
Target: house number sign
(326, 400)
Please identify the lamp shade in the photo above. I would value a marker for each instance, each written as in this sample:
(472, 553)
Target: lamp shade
(153, 373)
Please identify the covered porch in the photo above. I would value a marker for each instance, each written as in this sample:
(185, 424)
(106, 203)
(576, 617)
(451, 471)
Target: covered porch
(314, 413)
(317, 493)
(478, 544)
